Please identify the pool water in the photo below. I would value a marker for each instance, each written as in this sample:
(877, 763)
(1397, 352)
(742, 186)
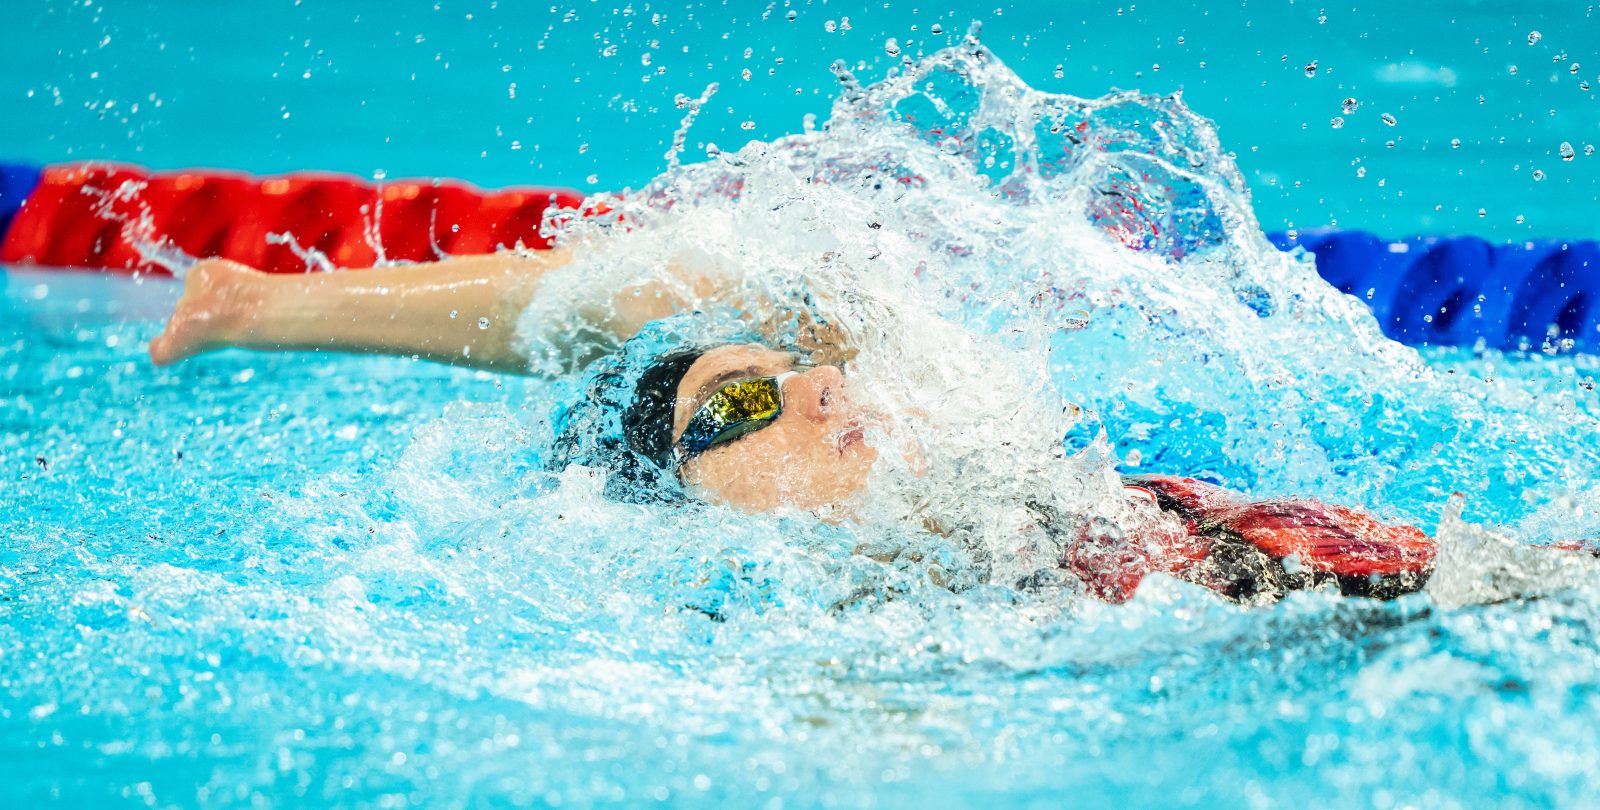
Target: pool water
(296, 579)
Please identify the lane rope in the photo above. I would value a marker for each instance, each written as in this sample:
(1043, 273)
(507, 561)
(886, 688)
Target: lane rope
(1424, 290)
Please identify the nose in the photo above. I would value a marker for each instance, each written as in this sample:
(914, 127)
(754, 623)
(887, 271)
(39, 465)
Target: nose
(815, 393)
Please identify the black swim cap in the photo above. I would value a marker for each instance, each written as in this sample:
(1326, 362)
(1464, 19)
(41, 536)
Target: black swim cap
(647, 421)
(620, 417)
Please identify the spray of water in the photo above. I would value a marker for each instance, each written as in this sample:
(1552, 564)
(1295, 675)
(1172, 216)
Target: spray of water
(1045, 291)
(1017, 267)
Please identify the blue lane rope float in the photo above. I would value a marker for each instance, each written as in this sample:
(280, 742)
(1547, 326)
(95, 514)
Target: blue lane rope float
(17, 181)
(1459, 290)
(1424, 290)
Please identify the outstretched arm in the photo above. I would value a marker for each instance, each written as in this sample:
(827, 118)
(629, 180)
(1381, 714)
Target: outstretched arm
(462, 311)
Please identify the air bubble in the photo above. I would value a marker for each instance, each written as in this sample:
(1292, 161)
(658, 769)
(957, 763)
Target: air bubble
(1566, 151)
(892, 47)
(1455, 143)
(1350, 105)
(1060, 72)
(1534, 37)
(483, 323)
(792, 15)
(936, 29)
(1574, 69)
(1538, 174)
(1388, 119)
(1311, 68)
(1337, 122)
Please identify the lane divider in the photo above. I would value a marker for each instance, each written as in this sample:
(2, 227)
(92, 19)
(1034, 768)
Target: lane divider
(111, 216)
(1541, 294)
(1424, 290)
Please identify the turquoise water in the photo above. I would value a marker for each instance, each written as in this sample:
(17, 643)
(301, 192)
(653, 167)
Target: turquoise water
(425, 89)
(298, 579)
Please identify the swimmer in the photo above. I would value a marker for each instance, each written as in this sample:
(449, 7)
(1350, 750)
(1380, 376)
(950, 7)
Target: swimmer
(681, 412)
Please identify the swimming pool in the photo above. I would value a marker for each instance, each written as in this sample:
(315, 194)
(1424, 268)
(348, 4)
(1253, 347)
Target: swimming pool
(282, 579)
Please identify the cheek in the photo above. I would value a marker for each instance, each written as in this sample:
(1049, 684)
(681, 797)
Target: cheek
(763, 470)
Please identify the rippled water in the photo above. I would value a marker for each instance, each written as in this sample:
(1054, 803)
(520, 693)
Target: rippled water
(252, 578)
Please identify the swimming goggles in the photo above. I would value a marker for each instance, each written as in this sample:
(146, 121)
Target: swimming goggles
(736, 409)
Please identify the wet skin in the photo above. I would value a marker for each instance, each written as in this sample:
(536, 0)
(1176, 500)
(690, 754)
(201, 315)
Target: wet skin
(812, 457)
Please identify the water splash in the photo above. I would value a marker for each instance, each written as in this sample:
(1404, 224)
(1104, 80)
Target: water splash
(125, 205)
(1016, 267)
(315, 260)
(954, 189)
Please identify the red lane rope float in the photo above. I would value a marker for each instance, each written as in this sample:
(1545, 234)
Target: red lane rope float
(109, 216)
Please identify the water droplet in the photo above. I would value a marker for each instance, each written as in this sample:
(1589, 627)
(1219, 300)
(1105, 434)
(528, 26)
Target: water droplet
(1311, 68)
(748, 125)
(1566, 151)
(1350, 106)
(483, 323)
(936, 29)
(1584, 85)
(1180, 40)
(1512, 69)
(1588, 149)
(830, 26)
(792, 15)
(1482, 212)
(1388, 119)
(1521, 219)
(593, 178)
(1538, 174)
(1060, 73)
(1336, 122)
(1361, 171)
(1455, 143)
(1534, 37)
(892, 47)
(745, 74)
(1574, 69)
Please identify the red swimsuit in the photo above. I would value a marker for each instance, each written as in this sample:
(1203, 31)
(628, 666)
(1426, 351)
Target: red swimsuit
(1250, 551)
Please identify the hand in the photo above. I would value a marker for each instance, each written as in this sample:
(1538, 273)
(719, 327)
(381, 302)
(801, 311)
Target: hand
(219, 300)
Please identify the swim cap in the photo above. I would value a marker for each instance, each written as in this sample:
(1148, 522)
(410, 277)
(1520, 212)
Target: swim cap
(620, 417)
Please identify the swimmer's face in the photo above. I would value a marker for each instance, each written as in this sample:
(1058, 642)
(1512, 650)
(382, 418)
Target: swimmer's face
(812, 456)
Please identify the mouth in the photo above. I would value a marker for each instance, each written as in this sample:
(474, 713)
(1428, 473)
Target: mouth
(853, 435)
